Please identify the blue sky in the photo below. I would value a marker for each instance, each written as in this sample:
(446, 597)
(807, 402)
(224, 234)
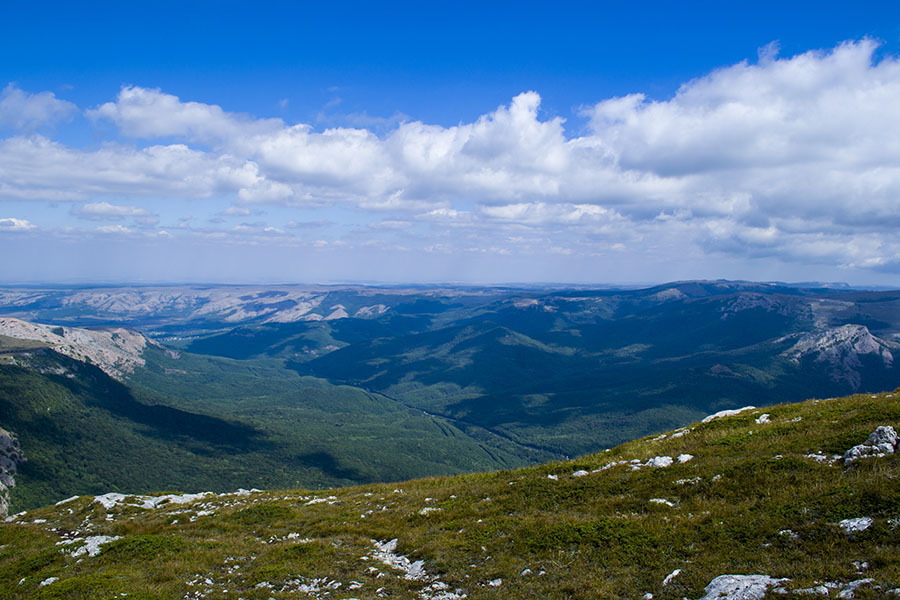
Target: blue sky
(432, 141)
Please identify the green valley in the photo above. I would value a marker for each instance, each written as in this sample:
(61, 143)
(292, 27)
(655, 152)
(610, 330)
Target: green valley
(218, 425)
(221, 387)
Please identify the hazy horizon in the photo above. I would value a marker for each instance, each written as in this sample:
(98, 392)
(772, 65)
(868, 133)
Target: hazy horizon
(559, 285)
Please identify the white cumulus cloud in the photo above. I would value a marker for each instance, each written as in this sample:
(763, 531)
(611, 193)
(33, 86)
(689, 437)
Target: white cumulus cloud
(40, 168)
(22, 111)
(150, 113)
(100, 211)
(12, 224)
(796, 158)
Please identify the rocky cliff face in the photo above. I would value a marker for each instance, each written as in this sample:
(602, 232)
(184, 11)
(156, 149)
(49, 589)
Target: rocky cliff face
(116, 350)
(10, 457)
(840, 348)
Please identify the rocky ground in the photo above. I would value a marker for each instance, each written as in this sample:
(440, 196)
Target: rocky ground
(790, 501)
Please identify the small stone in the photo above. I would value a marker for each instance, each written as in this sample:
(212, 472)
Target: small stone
(851, 526)
(660, 461)
(788, 533)
(671, 576)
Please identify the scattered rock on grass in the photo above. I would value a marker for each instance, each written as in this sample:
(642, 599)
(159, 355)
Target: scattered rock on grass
(819, 590)
(671, 576)
(726, 413)
(881, 442)
(740, 587)
(851, 526)
(849, 590)
(92, 545)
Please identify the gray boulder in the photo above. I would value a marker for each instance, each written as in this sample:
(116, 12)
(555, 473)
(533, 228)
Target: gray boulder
(740, 587)
(881, 442)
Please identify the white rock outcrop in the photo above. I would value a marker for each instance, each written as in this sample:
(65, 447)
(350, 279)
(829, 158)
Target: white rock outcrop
(113, 499)
(385, 552)
(91, 545)
(726, 413)
(881, 442)
(115, 350)
(740, 587)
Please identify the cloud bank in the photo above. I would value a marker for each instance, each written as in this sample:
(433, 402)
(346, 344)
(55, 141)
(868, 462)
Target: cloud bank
(795, 159)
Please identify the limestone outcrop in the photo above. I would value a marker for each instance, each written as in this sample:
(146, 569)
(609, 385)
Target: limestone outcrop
(10, 457)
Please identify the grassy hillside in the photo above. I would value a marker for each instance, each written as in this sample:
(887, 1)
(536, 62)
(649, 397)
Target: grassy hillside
(211, 423)
(757, 496)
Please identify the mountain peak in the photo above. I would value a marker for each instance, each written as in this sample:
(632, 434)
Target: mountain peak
(840, 348)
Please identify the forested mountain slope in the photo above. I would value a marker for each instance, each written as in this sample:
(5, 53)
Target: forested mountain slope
(217, 425)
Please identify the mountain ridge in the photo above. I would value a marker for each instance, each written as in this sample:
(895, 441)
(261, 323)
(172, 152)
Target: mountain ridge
(487, 378)
(116, 350)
